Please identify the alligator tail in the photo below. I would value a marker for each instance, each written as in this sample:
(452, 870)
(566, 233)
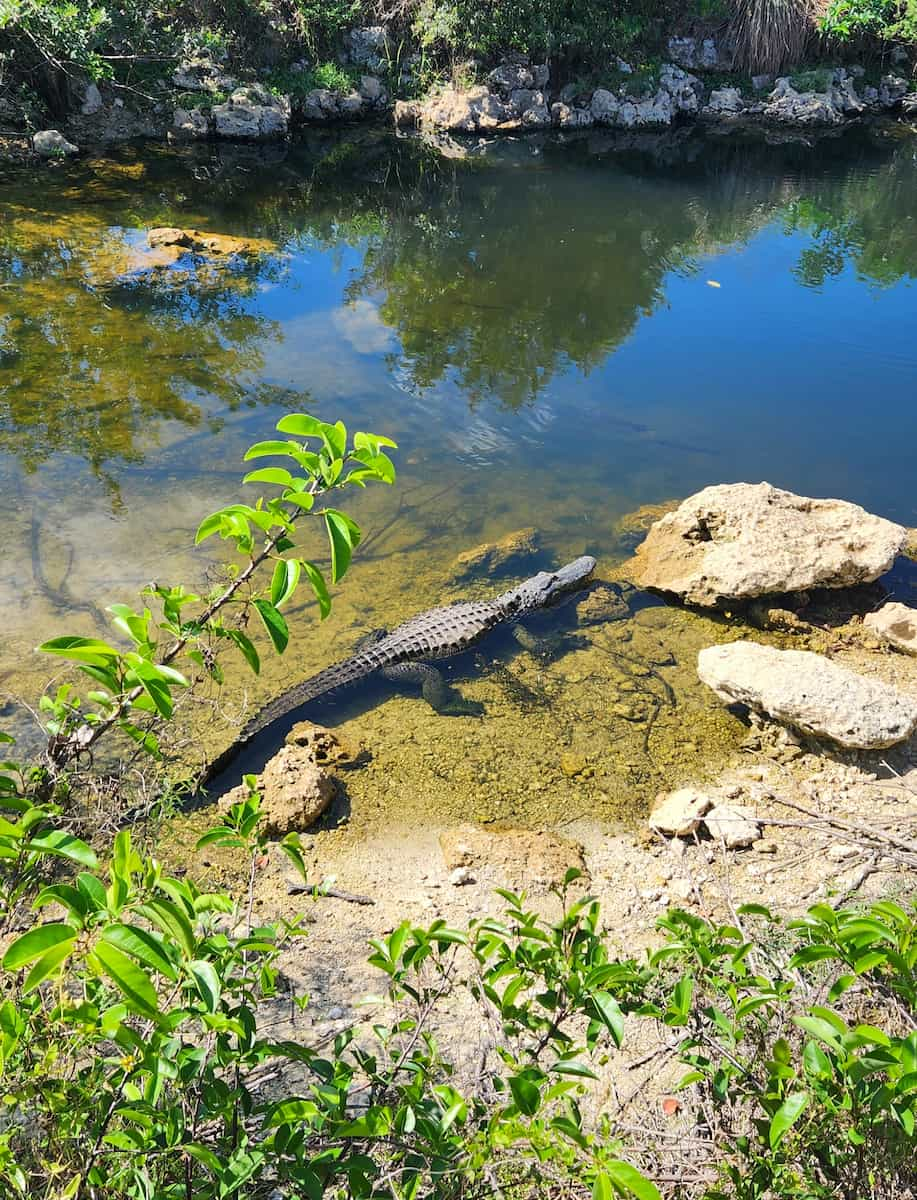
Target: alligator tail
(335, 676)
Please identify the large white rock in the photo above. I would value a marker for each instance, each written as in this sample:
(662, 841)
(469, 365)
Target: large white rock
(741, 540)
(51, 143)
(809, 692)
(895, 624)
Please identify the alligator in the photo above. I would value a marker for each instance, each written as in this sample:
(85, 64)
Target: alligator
(403, 655)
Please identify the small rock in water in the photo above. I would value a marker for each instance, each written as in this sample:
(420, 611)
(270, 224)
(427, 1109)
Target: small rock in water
(679, 813)
(732, 824)
(810, 692)
(895, 624)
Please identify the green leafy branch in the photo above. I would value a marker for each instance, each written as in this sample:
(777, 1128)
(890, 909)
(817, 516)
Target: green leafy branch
(142, 682)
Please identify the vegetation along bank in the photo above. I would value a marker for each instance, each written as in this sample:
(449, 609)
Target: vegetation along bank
(86, 73)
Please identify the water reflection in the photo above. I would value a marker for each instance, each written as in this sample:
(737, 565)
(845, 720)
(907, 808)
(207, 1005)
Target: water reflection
(534, 323)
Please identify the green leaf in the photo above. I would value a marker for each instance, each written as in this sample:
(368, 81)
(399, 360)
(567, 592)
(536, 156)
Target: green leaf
(785, 1116)
(245, 644)
(815, 1061)
(601, 1188)
(143, 945)
(80, 649)
(274, 623)
(48, 964)
(278, 475)
(132, 980)
(630, 1182)
(207, 982)
(317, 579)
(571, 1066)
(609, 1013)
(284, 581)
(35, 943)
(263, 449)
(301, 425)
(344, 537)
(526, 1094)
(64, 845)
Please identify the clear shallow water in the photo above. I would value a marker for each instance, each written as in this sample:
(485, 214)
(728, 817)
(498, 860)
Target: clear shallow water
(555, 335)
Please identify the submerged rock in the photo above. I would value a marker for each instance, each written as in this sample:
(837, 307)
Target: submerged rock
(809, 692)
(741, 540)
(496, 556)
(895, 624)
(51, 143)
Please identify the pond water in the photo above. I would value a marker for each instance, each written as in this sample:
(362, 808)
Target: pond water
(555, 333)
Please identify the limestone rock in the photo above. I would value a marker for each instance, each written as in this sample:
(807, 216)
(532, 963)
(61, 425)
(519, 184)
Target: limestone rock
(724, 102)
(537, 117)
(324, 747)
(741, 540)
(683, 88)
(368, 47)
(679, 813)
(508, 77)
(896, 624)
(191, 123)
(372, 91)
(51, 143)
(200, 73)
(533, 859)
(565, 117)
(790, 107)
(809, 692)
(321, 104)
(252, 113)
(910, 545)
(892, 90)
(605, 107)
(92, 101)
(732, 824)
(506, 551)
(295, 791)
(694, 53)
(459, 111)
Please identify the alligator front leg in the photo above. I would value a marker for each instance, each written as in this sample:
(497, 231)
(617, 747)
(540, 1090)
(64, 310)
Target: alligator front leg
(436, 691)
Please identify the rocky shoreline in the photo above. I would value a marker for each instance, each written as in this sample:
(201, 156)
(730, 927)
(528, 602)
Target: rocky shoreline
(204, 100)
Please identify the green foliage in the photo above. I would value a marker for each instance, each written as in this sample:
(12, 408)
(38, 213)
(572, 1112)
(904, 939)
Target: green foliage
(883, 19)
(568, 29)
(140, 682)
(328, 75)
(819, 79)
(324, 22)
(802, 1041)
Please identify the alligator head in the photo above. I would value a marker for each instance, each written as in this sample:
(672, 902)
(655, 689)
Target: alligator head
(547, 587)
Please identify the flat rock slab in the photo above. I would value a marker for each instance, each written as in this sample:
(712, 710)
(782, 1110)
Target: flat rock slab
(741, 540)
(732, 824)
(679, 813)
(811, 693)
(895, 624)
